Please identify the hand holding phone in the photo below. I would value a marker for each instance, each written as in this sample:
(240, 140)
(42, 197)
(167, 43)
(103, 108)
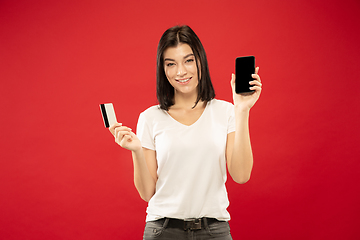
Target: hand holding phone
(244, 68)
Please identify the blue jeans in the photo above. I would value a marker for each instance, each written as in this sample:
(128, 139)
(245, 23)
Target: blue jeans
(171, 229)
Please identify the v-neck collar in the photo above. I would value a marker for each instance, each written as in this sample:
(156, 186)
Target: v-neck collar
(201, 116)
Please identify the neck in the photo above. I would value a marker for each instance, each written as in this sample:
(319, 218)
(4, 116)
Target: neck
(186, 101)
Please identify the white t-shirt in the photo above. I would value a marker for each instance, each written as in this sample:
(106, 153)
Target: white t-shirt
(191, 162)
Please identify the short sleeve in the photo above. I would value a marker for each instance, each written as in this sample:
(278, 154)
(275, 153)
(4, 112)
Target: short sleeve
(144, 133)
(231, 119)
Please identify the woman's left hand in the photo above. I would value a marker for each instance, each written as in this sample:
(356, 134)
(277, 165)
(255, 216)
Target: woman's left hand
(247, 100)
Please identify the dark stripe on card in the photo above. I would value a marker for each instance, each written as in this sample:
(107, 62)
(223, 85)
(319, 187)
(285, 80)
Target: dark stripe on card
(103, 112)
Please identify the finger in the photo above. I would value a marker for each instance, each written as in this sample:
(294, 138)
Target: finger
(125, 139)
(120, 137)
(122, 128)
(256, 77)
(256, 70)
(232, 82)
(256, 83)
(113, 127)
(256, 88)
(119, 133)
(232, 78)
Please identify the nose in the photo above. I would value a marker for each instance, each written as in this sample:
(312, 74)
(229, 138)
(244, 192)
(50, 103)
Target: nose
(181, 71)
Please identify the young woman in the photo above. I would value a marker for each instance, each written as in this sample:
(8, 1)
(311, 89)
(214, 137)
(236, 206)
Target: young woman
(184, 144)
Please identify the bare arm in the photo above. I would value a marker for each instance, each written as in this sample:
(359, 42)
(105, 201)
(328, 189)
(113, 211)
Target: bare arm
(145, 166)
(239, 152)
(238, 148)
(145, 176)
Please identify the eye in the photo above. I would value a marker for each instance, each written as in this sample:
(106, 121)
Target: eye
(170, 64)
(190, 60)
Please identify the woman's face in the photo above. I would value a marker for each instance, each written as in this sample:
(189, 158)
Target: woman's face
(180, 69)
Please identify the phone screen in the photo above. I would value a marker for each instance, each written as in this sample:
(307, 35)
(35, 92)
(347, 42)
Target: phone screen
(244, 67)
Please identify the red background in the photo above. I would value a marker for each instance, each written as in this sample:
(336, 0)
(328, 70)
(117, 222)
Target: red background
(63, 177)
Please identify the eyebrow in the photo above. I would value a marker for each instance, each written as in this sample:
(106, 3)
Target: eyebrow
(169, 59)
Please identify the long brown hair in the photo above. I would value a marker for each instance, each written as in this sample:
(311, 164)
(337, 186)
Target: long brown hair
(171, 38)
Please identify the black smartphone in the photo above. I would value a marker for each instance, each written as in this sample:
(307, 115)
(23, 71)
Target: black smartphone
(244, 67)
(108, 114)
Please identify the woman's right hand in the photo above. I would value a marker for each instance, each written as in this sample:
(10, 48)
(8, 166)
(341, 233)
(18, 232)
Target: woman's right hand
(125, 137)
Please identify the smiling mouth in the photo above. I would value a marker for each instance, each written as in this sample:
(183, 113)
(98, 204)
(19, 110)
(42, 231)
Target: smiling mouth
(183, 80)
